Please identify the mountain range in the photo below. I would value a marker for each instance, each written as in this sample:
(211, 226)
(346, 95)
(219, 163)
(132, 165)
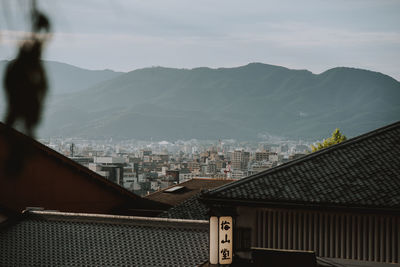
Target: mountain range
(248, 102)
(64, 78)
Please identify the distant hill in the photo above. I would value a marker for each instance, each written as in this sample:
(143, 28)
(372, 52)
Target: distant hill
(244, 103)
(64, 78)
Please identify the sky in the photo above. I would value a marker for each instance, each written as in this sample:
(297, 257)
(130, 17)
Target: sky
(124, 35)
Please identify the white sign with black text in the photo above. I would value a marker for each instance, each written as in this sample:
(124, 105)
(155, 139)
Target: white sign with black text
(225, 246)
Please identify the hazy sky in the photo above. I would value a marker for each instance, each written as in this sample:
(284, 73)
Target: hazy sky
(126, 35)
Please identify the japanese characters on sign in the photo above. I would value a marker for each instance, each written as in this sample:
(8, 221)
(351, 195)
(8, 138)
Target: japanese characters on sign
(225, 240)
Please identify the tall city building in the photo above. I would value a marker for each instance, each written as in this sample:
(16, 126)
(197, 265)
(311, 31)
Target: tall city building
(111, 168)
(240, 160)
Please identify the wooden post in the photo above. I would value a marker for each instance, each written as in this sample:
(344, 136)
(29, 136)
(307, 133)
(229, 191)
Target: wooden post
(370, 239)
(284, 230)
(213, 240)
(290, 230)
(353, 238)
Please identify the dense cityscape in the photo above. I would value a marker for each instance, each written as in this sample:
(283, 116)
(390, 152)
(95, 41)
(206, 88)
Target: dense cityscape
(144, 167)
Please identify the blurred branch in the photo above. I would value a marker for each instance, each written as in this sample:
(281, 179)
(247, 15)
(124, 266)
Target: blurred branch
(25, 85)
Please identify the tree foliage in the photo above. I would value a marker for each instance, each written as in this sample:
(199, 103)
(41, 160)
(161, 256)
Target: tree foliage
(336, 138)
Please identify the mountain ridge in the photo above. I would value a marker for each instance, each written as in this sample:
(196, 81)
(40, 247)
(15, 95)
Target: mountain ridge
(241, 102)
(59, 76)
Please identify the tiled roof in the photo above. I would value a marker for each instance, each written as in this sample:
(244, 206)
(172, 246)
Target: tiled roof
(191, 209)
(363, 172)
(70, 239)
(191, 188)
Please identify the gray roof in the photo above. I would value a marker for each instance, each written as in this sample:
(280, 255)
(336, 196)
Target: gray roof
(362, 173)
(191, 209)
(189, 188)
(68, 239)
(185, 203)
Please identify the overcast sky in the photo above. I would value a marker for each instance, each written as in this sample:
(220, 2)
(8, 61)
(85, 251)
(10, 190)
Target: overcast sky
(126, 35)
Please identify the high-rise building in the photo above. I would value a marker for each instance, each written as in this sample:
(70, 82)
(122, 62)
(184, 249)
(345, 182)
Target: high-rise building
(240, 160)
(261, 155)
(111, 168)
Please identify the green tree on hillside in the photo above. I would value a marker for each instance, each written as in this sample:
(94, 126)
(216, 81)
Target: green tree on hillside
(337, 137)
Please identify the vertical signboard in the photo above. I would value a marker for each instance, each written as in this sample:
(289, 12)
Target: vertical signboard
(225, 240)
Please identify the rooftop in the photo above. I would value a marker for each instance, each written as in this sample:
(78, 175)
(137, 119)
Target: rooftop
(186, 190)
(362, 173)
(47, 238)
(191, 209)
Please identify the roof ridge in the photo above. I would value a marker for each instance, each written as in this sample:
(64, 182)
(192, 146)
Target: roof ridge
(211, 179)
(323, 151)
(95, 216)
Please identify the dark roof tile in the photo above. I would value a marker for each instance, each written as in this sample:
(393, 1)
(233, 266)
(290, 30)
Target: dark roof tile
(49, 239)
(362, 172)
(191, 209)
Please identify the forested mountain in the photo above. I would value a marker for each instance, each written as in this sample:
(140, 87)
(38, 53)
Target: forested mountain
(244, 103)
(64, 78)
